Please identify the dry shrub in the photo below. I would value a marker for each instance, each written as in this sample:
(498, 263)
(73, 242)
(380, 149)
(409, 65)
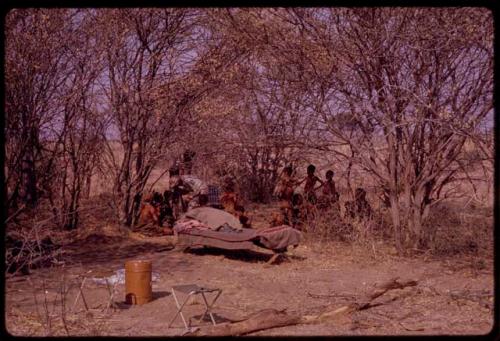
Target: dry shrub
(55, 313)
(458, 230)
(33, 240)
(24, 252)
(453, 229)
(331, 226)
(99, 215)
(30, 243)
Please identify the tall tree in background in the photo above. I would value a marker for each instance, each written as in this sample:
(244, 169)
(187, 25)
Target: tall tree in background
(35, 66)
(416, 83)
(145, 48)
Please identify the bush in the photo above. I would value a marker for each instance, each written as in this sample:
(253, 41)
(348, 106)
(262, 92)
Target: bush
(455, 230)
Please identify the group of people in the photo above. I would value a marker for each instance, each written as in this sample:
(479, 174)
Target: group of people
(296, 208)
(187, 192)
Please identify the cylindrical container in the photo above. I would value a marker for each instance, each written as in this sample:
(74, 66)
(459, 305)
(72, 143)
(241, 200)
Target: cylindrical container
(138, 282)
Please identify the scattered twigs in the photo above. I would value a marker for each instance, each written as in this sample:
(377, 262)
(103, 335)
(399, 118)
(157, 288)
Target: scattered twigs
(393, 283)
(330, 295)
(478, 296)
(271, 318)
(471, 294)
(26, 250)
(15, 214)
(64, 292)
(411, 329)
(80, 293)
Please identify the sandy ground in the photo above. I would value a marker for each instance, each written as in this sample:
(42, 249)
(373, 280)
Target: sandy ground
(453, 296)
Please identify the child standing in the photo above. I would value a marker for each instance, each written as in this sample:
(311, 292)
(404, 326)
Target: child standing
(329, 196)
(284, 191)
(311, 179)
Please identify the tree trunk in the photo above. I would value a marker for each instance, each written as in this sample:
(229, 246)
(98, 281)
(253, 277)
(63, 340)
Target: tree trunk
(394, 193)
(88, 183)
(416, 218)
(28, 184)
(72, 221)
(396, 221)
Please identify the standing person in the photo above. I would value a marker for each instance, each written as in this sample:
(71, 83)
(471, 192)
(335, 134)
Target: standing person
(284, 191)
(360, 207)
(178, 188)
(311, 179)
(329, 197)
(187, 162)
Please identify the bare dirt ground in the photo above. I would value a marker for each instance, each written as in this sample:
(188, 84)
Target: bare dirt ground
(454, 295)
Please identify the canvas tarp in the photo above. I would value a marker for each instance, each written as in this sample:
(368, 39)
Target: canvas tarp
(274, 238)
(279, 237)
(213, 218)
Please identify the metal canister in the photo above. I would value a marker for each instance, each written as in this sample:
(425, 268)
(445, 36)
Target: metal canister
(138, 288)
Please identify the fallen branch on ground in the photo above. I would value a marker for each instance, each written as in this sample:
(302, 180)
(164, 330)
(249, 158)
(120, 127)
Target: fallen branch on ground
(272, 318)
(330, 295)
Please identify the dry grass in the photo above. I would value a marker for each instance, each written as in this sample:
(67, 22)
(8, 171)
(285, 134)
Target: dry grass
(460, 230)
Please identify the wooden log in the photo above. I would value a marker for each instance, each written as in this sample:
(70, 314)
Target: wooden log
(264, 319)
(393, 283)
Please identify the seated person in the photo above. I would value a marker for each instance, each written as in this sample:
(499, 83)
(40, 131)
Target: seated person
(277, 219)
(202, 201)
(166, 211)
(360, 207)
(150, 210)
(244, 219)
(229, 199)
(298, 210)
(197, 187)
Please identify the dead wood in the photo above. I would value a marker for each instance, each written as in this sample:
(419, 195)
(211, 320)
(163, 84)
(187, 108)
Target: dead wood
(15, 214)
(265, 319)
(271, 318)
(364, 303)
(330, 295)
(391, 284)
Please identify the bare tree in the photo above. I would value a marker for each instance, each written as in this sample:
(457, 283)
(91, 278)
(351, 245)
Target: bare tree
(259, 119)
(417, 84)
(156, 72)
(35, 67)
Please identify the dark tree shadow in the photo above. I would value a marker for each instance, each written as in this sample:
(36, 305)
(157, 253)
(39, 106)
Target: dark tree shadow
(242, 255)
(218, 319)
(107, 253)
(122, 305)
(160, 294)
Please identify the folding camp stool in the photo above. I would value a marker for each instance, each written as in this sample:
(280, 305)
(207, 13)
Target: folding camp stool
(111, 291)
(190, 290)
